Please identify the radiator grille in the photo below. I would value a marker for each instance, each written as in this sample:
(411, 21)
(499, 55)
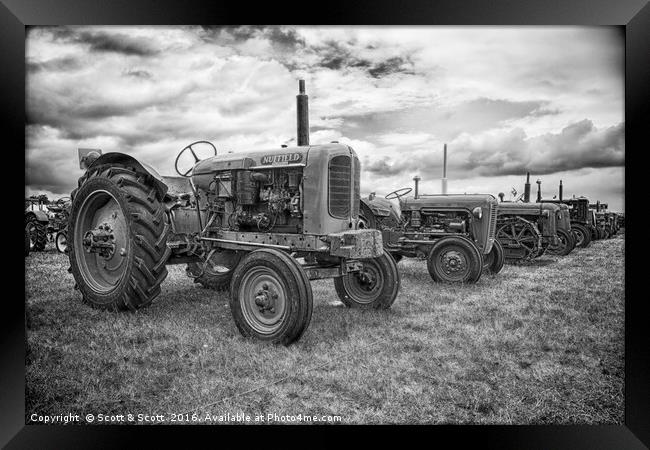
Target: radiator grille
(339, 186)
(493, 223)
(356, 194)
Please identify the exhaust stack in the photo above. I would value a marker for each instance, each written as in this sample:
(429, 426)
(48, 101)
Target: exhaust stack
(417, 179)
(539, 191)
(444, 170)
(302, 108)
(560, 190)
(527, 188)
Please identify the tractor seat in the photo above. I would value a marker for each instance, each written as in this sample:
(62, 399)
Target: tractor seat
(178, 188)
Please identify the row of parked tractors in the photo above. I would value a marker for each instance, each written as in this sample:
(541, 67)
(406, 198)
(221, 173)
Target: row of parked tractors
(263, 224)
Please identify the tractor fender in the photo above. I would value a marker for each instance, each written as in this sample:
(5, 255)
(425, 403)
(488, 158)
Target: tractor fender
(123, 159)
(380, 207)
(41, 216)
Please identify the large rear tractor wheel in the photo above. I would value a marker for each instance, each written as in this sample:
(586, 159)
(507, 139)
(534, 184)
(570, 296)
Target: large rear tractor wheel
(37, 233)
(581, 234)
(271, 297)
(117, 234)
(494, 260)
(455, 259)
(217, 272)
(566, 243)
(61, 241)
(375, 286)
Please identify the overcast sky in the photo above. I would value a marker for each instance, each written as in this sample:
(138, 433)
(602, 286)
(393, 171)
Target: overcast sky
(506, 100)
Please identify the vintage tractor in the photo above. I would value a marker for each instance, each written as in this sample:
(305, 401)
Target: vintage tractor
(59, 211)
(36, 222)
(527, 230)
(566, 239)
(261, 223)
(455, 233)
(582, 219)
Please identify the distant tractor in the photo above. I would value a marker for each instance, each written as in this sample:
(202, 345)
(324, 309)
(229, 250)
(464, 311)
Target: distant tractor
(455, 233)
(527, 230)
(36, 222)
(582, 219)
(259, 223)
(59, 212)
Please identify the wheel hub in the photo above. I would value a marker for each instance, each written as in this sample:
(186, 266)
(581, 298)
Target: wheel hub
(453, 262)
(265, 299)
(100, 240)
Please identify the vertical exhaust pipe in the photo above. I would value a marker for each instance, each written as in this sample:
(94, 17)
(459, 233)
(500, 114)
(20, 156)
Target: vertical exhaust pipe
(444, 170)
(539, 191)
(560, 190)
(302, 108)
(527, 188)
(417, 179)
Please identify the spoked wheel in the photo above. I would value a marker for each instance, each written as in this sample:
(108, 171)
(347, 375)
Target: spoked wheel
(581, 234)
(520, 238)
(455, 259)
(271, 297)
(217, 272)
(61, 241)
(375, 286)
(118, 238)
(495, 259)
(566, 243)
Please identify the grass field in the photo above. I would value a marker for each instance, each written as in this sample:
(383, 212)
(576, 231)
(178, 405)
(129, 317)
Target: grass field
(538, 343)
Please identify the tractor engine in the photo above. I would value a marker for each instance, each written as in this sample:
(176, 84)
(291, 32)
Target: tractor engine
(256, 200)
(435, 221)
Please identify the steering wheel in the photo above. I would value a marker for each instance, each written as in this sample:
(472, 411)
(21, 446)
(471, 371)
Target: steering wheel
(398, 193)
(196, 158)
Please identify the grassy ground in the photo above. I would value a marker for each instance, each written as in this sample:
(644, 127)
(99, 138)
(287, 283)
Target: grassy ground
(538, 343)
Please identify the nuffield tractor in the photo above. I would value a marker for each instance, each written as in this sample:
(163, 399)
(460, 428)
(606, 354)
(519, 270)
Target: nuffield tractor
(526, 230)
(455, 233)
(259, 223)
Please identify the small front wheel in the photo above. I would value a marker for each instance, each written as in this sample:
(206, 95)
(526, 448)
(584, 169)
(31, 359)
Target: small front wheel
(495, 259)
(375, 286)
(455, 260)
(61, 241)
(270, 297)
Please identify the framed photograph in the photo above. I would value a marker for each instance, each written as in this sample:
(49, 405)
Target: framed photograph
(413, 215)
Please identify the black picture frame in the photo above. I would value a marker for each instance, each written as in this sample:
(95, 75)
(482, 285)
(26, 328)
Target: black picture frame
(632, 15)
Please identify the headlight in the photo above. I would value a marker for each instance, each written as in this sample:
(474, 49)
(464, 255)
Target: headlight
(478, 212)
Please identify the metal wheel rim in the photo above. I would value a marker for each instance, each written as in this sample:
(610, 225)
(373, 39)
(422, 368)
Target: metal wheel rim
(61, 241)
(100, 274)
(257, 280)
(366, 284)
(522, 237)
(454, 263)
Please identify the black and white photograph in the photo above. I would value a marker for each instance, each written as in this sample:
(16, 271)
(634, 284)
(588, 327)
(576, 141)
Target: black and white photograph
(261, 224)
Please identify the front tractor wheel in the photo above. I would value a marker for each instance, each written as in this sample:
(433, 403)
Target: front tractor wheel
(375, 286)
(581, 234)
(494, 260)
(455, 260)
(566, 243)
(271, 297)
(117, 235)
(61, 241)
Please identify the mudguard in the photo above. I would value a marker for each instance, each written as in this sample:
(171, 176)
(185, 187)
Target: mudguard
(123, 159)
(381, 207)
(41, 216)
